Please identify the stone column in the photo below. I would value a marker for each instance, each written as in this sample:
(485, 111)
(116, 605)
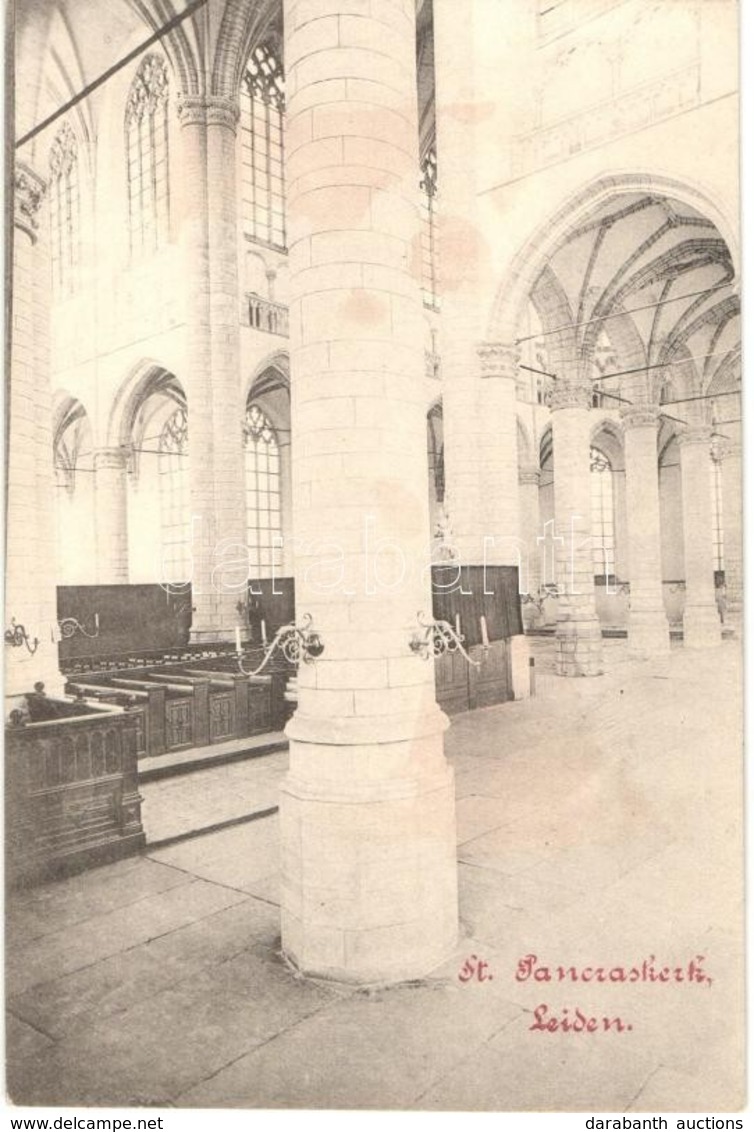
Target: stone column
(111, 515)
(497, 456)
(367, 808)
(209, 236)
(497, 471)
(528, 499)
(463, 278)
(578, 634)
(701, 621)
(728, 453)
(30, 595)
(648, 630)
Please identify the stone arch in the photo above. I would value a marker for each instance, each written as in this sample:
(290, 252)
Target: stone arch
(516, 287)
(184, 45)
(525, 447)
(146, 378)
(544, 448)
(242, 23)
(271, 374)
(607, 435)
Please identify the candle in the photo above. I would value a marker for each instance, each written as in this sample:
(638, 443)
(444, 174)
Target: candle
(485, 636)
(96, 621)
(264, 632)
(238, 639)
(458, 624)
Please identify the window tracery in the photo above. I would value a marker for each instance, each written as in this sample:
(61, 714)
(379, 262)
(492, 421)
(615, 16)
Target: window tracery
(147, 156)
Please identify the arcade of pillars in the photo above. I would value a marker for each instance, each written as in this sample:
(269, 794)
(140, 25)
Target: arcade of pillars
(367, 809)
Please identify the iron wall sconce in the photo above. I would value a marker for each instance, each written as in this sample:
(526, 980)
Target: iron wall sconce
(297, 643)
(436, 639)
(69, 627)
(17, 636)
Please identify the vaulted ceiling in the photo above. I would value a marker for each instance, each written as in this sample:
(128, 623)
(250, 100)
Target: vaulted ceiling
(656, 278)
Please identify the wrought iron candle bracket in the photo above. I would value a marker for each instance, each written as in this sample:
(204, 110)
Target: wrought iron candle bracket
(438, 638)
(17, 636)
(297, 643)
(70, 626)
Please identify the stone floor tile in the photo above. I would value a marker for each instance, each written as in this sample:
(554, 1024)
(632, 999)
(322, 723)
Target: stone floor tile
(73, 948)
(371, 1050)
(112, 986)
(159, 1048)
(668, 1090)
(50, 907)
(520, 1070)
(23, 1042)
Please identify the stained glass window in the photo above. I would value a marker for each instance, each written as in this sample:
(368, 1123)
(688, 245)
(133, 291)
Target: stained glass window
(603, 519)
(262, 178)
(263, 511)
(428, 186)
(174, 498)
(65, 212)
(147, 157)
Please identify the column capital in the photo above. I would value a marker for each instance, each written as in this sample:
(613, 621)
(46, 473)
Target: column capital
(29, 190)
(499, 359)
(528, 474)
(639, 416)
(209, 110)
(571, 393)
(116, 458)
(694, 435)
(724, 449)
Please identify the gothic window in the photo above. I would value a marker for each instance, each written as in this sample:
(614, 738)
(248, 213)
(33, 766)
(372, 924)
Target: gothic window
(428, 186)
(174, 497)
(435, 455)
(717, 516)
(263, 522)
(262, 184)
(65, 212)
(603, 522)
(147, 157)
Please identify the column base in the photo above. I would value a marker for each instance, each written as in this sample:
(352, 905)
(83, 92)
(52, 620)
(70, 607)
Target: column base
(520, 674)
(210, 636)
(579, 646)
(648, 633)
(701, 627)
(369, 860)
(733, 621)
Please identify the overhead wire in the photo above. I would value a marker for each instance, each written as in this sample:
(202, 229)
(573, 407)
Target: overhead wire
(620, 314)
(166, 28)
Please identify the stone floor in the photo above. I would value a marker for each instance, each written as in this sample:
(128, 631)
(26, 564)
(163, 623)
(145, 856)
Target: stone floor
(599, 824)
(174, 807)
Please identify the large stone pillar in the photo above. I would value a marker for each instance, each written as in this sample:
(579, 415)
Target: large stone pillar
(648, 630)
(30, 596)
(578, 634)
(464, 264)
(531, 531)
(111, 515)
(728, 454)
(497, 453)
(528, 498)
(367, 808)
(701, 620)
(209, 236)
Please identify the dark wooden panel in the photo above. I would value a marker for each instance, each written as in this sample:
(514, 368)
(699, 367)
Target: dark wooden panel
(71, 795)
(131, 618)
(490, 683)
(470, 592)
(272, 600)
(452, 683)
(222, 716)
